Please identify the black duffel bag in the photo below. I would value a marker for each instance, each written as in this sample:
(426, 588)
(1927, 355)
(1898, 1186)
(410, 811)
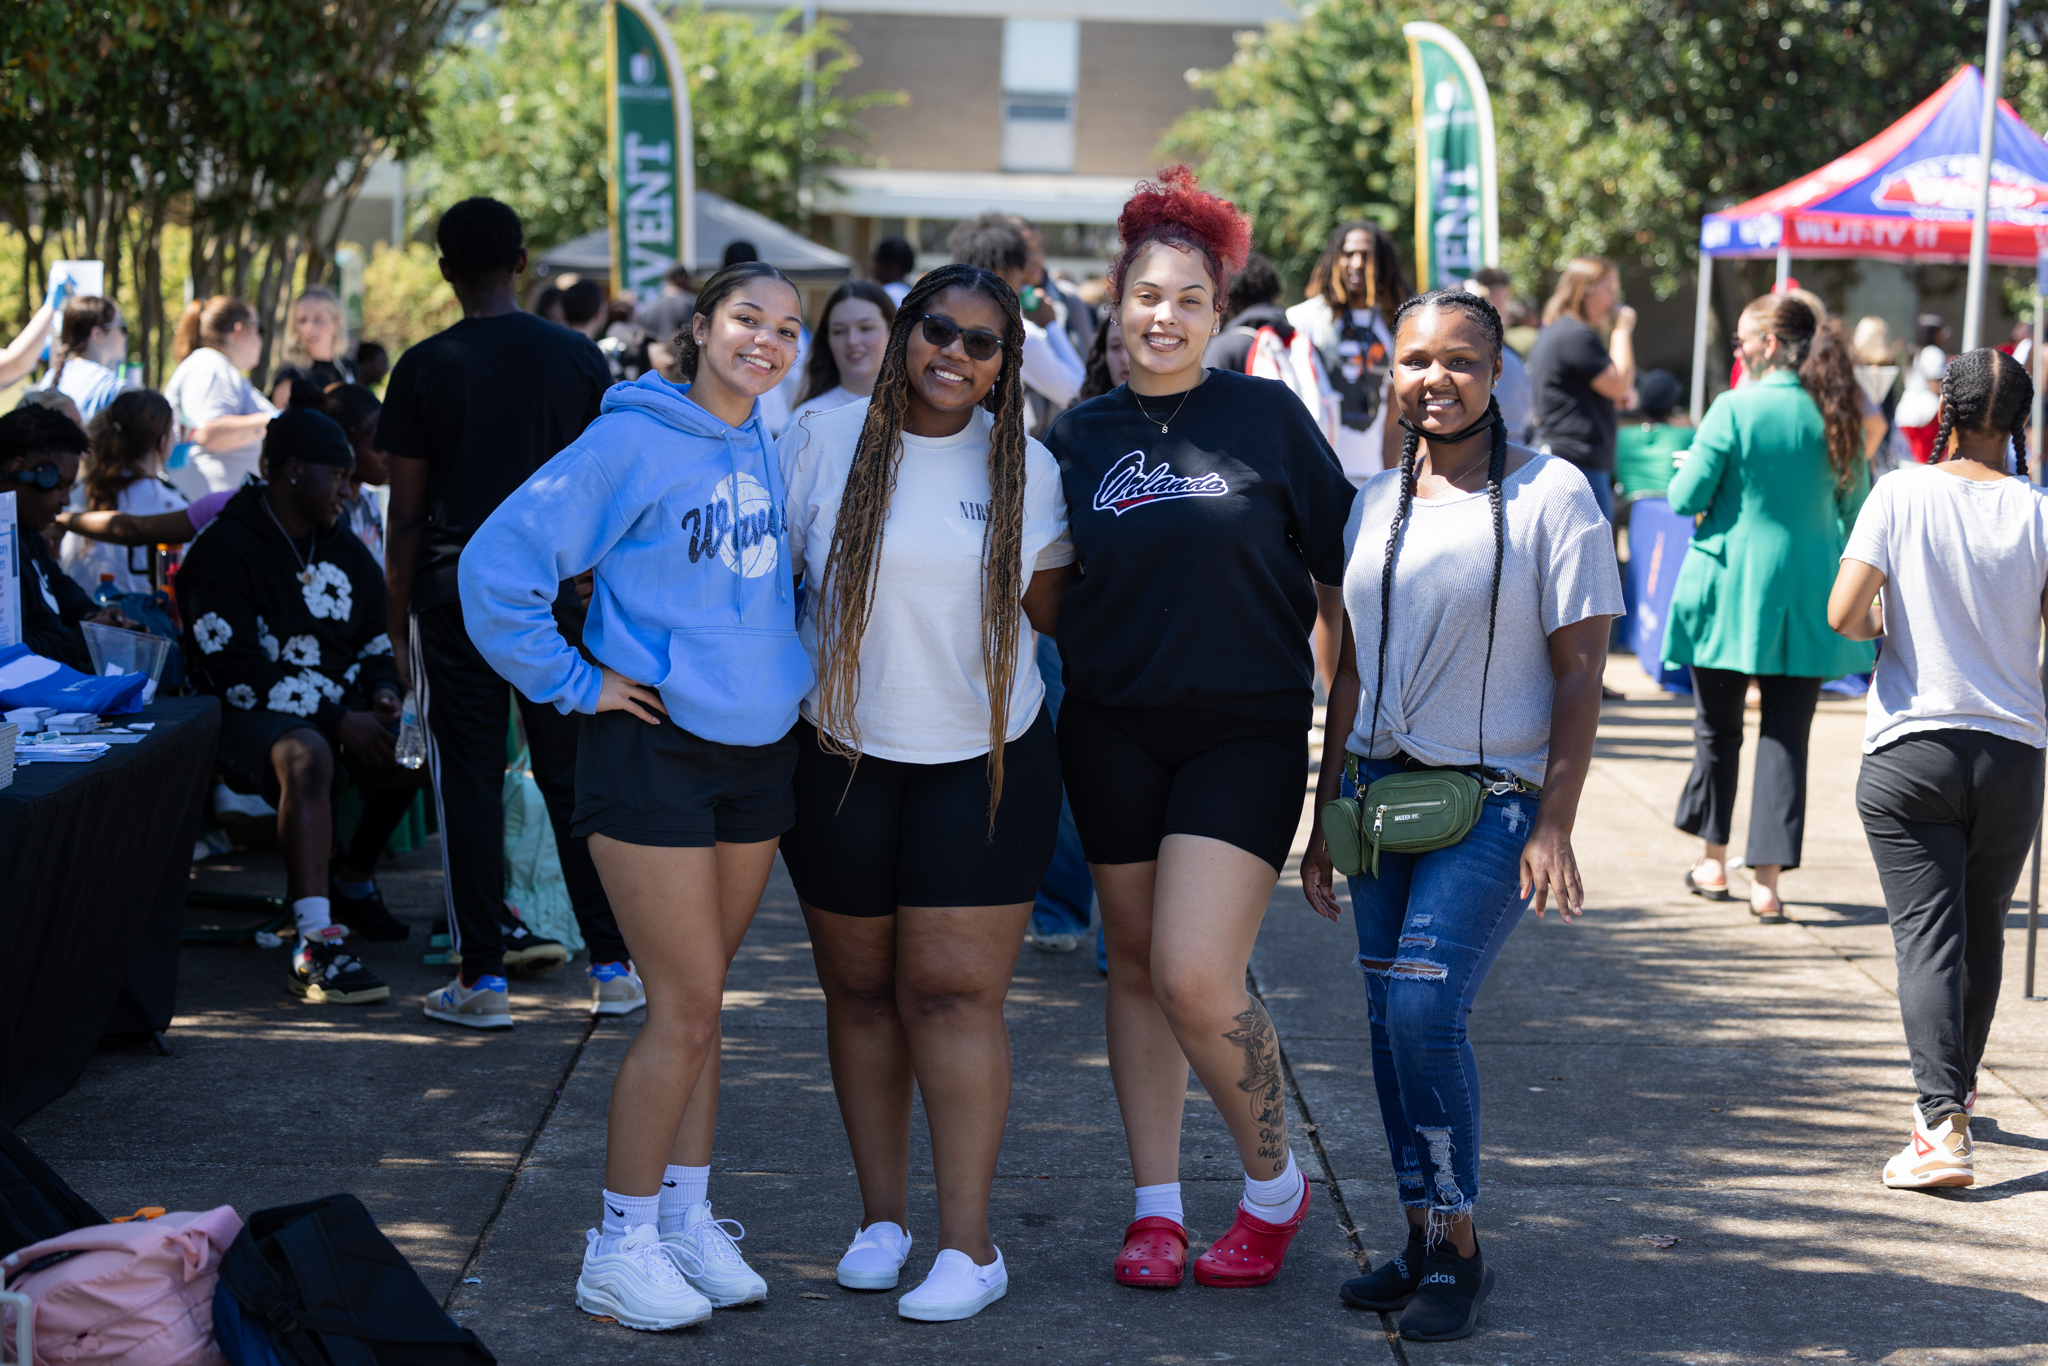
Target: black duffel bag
(35, 1203)
(329, 1289)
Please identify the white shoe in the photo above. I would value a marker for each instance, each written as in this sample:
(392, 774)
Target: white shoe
(956, 1289)
(876, 1258)
(487, 1005)
(637, 1282)
(709, 1256)
(1941, 1156)
(1053, 943)
(615, 989)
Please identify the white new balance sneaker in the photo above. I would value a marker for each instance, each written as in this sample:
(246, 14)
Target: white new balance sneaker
(615, 989)
(876, 1258)
(1941, 1156)
(487, 1005)
(707, 1251)
(956, 1289)
(633, 1277)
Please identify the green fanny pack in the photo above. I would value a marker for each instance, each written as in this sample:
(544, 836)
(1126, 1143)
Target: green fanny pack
(1407, 813)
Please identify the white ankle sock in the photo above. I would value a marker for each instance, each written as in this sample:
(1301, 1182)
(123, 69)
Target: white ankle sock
(623, 1213)
(1274, 1201)
(311, 914)
(681, 1187)
(1161, 1200)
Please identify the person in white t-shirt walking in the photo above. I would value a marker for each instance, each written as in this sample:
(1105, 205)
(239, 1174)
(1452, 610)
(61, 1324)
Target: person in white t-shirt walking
(1952, 752)
(1353, 291)
(928, 777)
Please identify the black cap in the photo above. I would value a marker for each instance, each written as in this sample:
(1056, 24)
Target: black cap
(310, 437)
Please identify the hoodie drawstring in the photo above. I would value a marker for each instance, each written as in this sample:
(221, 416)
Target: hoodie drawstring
(739, 563)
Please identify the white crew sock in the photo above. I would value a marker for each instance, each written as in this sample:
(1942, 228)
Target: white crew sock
(624, 1213)
(311, 913)
(681, 1187)
(1162, 1201)
(1274, 1201)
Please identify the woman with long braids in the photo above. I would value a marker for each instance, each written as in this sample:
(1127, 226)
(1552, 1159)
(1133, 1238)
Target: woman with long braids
(1777, 468)
(688, 682)
(932, 537)
(1952, 748)
(1206, 506)
(1477, 604)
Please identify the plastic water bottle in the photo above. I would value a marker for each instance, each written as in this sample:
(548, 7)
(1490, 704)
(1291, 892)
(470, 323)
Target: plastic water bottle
(412, 741)
(106, 595)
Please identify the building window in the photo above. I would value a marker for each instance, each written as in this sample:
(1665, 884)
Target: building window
(1041, 71)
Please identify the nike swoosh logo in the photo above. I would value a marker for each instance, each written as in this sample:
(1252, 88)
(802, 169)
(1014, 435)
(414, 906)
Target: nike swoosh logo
(617, 1213)
(670, 1184)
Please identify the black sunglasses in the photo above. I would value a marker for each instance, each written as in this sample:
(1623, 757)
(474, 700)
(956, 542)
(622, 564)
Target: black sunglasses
(980, 345)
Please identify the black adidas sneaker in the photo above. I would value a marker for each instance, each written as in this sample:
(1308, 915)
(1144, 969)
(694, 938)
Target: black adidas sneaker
(1391, 1284)
(1446, 1303)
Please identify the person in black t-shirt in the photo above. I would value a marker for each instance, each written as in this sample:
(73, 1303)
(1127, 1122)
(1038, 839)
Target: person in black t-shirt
(1575, 380)
(470, 414)
(1204, 507)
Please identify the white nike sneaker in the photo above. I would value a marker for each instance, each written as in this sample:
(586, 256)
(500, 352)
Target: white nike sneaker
(956, 1289)
(1941, 1156)
(615, 989)
(637, 1282)
(708, 1253)
(876, 1258)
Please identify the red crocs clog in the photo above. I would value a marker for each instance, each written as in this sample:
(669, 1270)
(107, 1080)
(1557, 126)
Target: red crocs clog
(1251, 1253)
(1155, 1254)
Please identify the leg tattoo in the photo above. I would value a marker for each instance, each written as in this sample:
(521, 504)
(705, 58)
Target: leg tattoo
(1254, 1034)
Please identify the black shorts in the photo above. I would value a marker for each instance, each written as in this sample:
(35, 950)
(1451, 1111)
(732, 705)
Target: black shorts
(247, 737)
(1138, 774)
(662, 786)
(918, 834)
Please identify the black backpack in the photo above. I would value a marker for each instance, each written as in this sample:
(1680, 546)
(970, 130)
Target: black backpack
(34, 1201)
(329, 1289)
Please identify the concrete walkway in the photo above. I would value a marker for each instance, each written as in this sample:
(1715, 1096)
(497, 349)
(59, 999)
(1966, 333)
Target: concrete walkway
(1664, 1068)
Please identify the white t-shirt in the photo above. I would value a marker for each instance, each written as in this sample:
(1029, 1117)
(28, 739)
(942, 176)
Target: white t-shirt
(923, 690)
(85, 559)
(1559, 568)
(1362, 454)
(837, 397)
(88, 384)
(206, 385)
(1964, 565)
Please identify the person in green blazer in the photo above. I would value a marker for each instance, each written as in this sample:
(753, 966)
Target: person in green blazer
(1776, 475)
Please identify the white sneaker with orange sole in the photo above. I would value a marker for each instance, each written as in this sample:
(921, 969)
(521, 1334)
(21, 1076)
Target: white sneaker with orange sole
(1940, 1156)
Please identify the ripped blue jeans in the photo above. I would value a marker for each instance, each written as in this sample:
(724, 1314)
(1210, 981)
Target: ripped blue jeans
(1429, 927)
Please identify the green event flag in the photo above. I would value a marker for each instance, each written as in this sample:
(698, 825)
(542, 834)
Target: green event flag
(1457, 197)
(652, 165)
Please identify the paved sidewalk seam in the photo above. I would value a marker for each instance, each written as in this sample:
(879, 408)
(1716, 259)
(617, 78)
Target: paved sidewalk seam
(483, 1234)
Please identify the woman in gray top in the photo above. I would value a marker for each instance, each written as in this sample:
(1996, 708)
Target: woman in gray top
(1507, 580)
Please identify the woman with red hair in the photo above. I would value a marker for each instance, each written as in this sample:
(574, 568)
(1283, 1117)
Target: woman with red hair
(1205, 507)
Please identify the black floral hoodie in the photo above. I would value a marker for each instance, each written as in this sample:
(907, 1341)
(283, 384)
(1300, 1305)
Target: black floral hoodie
(270, 628)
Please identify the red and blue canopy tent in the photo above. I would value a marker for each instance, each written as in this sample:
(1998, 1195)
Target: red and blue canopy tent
(1907, 195)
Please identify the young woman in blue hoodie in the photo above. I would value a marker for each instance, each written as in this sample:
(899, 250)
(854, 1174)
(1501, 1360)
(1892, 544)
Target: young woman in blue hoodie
(674, 498)
(933, 538)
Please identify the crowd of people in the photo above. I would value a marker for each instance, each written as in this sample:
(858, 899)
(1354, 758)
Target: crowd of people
(861, 586)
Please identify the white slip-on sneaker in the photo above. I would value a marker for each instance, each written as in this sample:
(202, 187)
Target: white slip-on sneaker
(637, 1282)
(875, 1260)
(707, 1251)
(956, 1288)
(487, 1005)
(1940, 1156)
(615, 989)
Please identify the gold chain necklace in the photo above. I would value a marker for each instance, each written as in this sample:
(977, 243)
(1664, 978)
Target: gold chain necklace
(1170, 416)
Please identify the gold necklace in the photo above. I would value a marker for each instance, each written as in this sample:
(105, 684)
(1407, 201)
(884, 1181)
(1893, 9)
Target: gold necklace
(1176, 407)
(1452, 480)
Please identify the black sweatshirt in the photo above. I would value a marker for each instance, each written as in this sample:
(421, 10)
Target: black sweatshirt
(1197, 547)
(261, 637)
(51, 604)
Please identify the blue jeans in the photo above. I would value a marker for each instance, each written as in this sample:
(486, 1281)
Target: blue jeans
(1429, 927)
(1067, 892)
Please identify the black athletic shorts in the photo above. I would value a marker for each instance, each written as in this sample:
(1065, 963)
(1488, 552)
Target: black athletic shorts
(246, 738)
(662, 786)
(1138, 774)
(918, 834)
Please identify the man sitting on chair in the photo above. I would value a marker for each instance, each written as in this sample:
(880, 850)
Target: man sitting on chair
(285, 623)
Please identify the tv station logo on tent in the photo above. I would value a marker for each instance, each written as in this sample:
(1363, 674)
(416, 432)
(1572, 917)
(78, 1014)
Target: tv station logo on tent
(1946, 186)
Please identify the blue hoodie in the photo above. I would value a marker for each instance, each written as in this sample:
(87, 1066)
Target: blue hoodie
(682, 517)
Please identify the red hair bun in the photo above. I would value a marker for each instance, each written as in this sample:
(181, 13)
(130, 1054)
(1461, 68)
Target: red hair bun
(1176, 211)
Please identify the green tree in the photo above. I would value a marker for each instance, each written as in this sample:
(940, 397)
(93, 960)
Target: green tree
(520, 115)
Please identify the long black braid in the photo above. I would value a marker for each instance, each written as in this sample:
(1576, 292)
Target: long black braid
(1480, 311)
(1986, 391)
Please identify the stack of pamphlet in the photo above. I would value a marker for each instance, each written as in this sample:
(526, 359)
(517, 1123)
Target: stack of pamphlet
(8, 731)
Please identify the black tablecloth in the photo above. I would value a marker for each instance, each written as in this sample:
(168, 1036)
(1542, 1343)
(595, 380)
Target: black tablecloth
(94, 861)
